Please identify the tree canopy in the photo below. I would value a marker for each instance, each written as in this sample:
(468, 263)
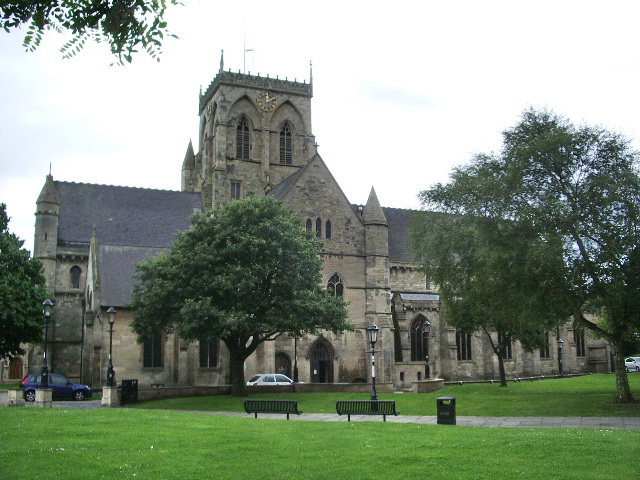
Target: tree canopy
(22, 291)
(246, 273)
(125, 25)
(492, 277)
(575, 188)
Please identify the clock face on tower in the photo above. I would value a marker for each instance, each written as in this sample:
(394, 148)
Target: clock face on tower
(267, 101)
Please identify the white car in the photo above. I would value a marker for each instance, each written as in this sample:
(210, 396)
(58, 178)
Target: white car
(270, 379)
(632, 364)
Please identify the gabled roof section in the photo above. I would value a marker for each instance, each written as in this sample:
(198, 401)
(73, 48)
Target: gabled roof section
(123, 215)
(282, 190)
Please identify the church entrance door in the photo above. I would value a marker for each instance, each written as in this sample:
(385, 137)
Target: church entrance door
(321, 364)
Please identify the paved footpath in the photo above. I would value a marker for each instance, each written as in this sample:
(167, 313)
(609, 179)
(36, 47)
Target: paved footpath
(604, 423)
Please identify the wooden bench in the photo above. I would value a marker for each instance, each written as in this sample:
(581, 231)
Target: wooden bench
(271, 406)
(366, 407)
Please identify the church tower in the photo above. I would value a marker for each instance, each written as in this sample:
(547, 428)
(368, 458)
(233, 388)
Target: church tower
(254, 132)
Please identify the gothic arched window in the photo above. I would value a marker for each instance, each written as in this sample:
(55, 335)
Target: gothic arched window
(243, 139)
(286, 145)
(335, 285)
(309, 224)
(75, 276)
(327, 229)
(319, 228)
(419, 346)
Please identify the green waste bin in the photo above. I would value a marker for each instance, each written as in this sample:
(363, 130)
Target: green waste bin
(446, 410)
(129, 392)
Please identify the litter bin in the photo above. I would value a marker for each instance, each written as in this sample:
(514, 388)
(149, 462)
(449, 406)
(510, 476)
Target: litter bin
(129, 392)
(446, 410)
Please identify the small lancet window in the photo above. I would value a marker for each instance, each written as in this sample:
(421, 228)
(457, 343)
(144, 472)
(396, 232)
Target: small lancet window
(309, 224)
(319, 228)
(327, 229)
(75, 276)
(286, 145)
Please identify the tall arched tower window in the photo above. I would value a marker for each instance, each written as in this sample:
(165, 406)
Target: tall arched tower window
(327, 229)
(243, 139)
(419, 348)
(335, 285)
(318, 228)
(286, 145)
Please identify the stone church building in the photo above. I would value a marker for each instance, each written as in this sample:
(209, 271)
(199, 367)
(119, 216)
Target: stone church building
(255, 136)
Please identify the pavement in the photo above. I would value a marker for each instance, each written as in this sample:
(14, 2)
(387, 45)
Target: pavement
(601, 423)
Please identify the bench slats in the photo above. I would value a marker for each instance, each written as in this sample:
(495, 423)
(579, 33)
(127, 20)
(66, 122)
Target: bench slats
(271, 406)
(366, 407)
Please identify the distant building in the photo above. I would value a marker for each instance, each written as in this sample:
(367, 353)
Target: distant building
(255, 136)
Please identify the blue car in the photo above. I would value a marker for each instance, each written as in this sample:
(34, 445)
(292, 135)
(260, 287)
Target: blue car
(60, 385)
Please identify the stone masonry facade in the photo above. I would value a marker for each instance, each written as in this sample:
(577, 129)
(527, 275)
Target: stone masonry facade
(255, 137)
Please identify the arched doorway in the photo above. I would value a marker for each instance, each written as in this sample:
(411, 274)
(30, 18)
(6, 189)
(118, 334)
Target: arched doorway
(283, 364)
(321, 364)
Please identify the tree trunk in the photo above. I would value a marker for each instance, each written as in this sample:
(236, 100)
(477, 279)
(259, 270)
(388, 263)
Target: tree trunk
(623, 391)
(236, 367)
(503, 375)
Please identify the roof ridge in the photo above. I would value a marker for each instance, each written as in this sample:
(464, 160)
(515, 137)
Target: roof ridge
(121, 186)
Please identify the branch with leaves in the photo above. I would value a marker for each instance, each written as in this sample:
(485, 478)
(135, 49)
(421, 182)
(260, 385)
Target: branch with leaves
(127, 26)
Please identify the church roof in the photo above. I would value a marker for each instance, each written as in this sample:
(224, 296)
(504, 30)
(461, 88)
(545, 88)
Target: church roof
(117, 267)
(123, 215)
(398, 221)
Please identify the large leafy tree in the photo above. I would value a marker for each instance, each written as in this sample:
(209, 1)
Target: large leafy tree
(576, 186)
(491, 274)
(245, 274)
(125, 25)
(22, 292)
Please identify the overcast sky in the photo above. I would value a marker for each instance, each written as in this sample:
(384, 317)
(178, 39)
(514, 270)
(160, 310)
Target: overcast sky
(403, 90)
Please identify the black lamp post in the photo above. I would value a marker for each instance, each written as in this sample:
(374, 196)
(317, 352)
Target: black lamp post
(560, 345)
(46, 313)
(295, 359)
(372, 331)
(110, 373)
(426, 326)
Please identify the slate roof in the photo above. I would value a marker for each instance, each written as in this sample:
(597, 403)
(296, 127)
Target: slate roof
(398, 221)
(116, 269)
(419, 297)
(123, 215)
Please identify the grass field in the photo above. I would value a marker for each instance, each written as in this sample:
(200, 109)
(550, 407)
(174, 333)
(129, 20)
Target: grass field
(587, 396)
(143, 444)
(56, 443)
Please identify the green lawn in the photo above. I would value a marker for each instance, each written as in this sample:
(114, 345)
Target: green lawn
(39, 443)
(586, 396)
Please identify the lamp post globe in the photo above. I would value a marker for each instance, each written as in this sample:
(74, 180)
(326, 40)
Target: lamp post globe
(372, 332)
(426, 327)
(46, 314)
(111, 314)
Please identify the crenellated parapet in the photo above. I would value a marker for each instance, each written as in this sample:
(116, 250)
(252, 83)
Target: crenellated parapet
(236, 79)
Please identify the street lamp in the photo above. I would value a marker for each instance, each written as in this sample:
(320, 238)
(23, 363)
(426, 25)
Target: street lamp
(560, 345)
(46, 313)
(110, 373)
(295, 359)
(372, 332)
(426, 326)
